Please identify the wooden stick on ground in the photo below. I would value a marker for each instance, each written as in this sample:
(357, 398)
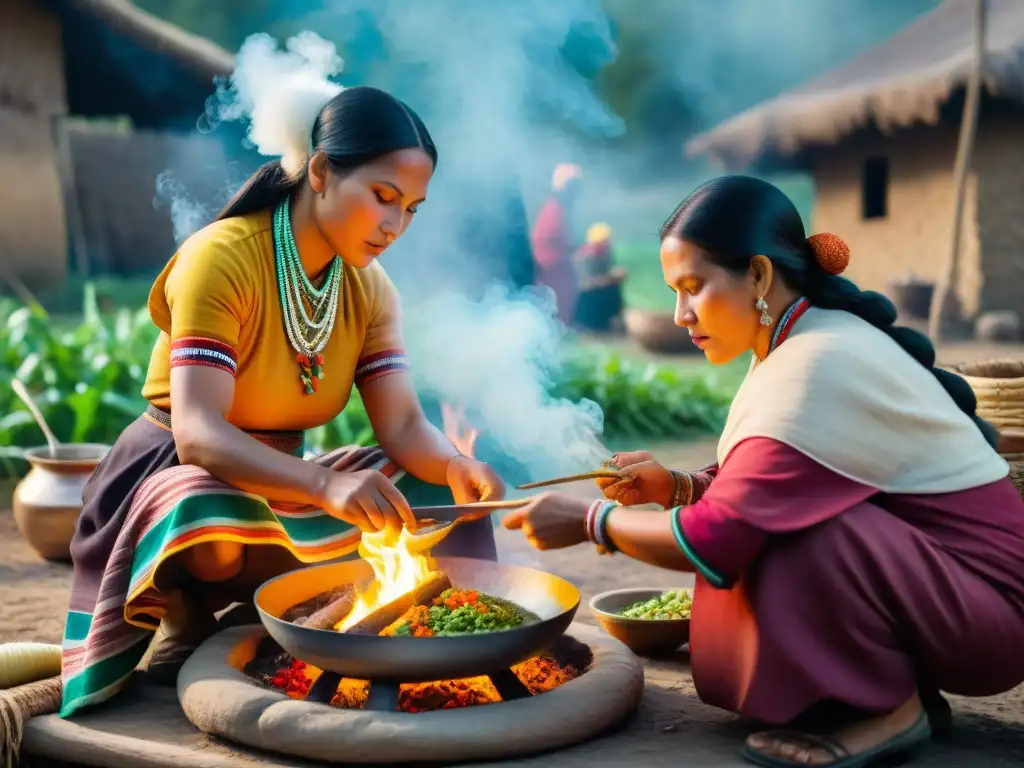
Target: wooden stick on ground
(388, 614)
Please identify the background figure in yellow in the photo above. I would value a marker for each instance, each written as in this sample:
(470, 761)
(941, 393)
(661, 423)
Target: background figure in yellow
(599, 307)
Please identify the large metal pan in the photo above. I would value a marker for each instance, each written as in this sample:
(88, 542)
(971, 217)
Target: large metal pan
(421, 659)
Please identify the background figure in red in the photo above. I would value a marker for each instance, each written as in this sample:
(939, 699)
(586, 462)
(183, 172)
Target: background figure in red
(554, 243)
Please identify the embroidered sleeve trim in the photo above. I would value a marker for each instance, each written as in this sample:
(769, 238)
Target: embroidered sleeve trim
(713, 577)
(199, 350)
(383, 363)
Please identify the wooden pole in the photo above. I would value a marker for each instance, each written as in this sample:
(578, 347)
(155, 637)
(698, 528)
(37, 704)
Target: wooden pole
(944, 300)
(75, 220)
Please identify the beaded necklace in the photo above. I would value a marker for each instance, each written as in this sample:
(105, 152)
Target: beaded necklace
(789, 317)
(309, 312)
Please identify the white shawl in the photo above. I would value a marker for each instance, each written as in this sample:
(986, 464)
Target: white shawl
(846, 395)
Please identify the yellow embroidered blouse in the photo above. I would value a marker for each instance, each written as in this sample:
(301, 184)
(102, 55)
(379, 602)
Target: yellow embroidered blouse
(217, 303)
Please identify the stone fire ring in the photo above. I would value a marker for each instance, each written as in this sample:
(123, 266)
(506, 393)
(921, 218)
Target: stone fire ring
(220, 699)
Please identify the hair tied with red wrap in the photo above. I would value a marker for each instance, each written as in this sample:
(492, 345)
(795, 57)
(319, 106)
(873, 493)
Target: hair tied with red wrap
(830, 251)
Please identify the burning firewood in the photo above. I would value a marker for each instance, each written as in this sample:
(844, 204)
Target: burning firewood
(332, 613)
(301, 611)
(386, 615)
(325, 610)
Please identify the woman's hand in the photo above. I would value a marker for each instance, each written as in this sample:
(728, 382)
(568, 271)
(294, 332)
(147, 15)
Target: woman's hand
(472, 480)
(366, 499)
(642, 481)
(552, 521)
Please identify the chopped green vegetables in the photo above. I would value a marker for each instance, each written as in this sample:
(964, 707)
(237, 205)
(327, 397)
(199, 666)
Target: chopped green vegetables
(457, 612)
(673, 604)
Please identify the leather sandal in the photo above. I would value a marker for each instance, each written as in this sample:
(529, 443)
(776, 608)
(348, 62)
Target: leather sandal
(940, 715)
(895, 751)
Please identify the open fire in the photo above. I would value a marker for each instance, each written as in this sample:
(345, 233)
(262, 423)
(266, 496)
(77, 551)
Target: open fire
(398, 567)
(404, 574)
(540, 674)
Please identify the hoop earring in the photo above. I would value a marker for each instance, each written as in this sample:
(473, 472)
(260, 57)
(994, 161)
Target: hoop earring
(762, 305)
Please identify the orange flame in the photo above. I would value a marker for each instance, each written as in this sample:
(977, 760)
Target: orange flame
(398, 568)
(457, 428)
(399, 565)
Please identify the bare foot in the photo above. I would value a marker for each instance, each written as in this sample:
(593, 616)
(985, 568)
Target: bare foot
(853, 739)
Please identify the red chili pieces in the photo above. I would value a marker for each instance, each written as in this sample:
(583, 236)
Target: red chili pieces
(457, 598)
(292, 680)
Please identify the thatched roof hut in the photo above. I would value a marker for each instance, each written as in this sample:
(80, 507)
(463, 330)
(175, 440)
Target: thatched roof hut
(904, 81)
(879, 135)
(96, 59)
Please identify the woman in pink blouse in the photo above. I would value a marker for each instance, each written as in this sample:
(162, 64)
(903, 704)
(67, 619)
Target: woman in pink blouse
(553, 241)
(858, 545)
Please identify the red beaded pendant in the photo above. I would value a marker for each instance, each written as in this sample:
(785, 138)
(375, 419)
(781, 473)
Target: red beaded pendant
(311, 371)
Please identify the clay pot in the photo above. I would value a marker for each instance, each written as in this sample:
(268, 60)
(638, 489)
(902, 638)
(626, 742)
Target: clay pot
(658, 332)
(1011, 441)
(48, 500)
(999, 326)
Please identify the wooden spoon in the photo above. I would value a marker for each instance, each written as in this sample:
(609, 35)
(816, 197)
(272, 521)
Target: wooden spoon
(23, 394)
(472, 506)
(597, 474)
(432, 532)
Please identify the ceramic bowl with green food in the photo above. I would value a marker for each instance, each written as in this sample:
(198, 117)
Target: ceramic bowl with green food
(652, 622)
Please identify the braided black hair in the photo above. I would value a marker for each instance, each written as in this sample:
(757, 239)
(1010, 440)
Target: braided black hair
(734, 218)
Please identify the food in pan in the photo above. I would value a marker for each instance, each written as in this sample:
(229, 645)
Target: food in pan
(457, 612)
(434, 609)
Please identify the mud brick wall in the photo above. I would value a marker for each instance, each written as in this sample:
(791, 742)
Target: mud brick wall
(999, 164)
(913, 238)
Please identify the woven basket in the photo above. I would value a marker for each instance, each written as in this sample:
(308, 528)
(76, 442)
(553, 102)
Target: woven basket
(999, 387)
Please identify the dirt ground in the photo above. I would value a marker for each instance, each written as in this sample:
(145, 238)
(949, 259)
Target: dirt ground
(672, 727)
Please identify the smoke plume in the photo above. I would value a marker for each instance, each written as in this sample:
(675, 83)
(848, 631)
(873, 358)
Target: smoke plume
(506, 89)
(496, 92)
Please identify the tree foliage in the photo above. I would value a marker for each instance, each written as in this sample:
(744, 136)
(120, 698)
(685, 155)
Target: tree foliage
(681, 65)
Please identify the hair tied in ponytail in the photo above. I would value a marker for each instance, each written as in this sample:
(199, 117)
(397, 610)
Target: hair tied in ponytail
(830, 251)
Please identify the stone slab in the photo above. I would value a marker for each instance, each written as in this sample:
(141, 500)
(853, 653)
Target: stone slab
(220, 699)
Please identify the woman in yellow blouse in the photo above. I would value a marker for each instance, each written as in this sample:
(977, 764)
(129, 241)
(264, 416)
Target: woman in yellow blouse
(269, 315)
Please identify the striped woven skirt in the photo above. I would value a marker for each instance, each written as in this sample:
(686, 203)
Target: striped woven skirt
(142, 507)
